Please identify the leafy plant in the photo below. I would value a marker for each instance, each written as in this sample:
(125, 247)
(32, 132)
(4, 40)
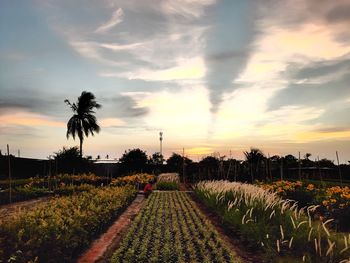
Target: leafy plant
(64, 226)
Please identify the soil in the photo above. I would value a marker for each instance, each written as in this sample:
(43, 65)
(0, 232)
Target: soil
(7, 210)
(227, 235)
(103, 248)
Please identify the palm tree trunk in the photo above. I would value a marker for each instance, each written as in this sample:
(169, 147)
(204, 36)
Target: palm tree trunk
(81, 147)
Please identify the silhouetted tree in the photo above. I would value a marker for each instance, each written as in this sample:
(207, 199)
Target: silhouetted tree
(156, 159)
(254, 158)
(290, 161)
(325, 163)
(306, 162)
(69, 160)
(134, 160)
(175, 163)
(210, 165)
(83, 122)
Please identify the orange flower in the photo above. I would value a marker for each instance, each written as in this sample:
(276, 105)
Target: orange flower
(310, 187)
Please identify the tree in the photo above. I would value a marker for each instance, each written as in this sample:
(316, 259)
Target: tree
(211, 165)
(134, 160)
(69, 160)
(156, 159)
(83, 122)
(175, 162)
(254, 158)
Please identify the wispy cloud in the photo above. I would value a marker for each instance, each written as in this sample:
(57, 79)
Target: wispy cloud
(117, 17)
(186, 69)
(186, 8)
(28, 119)
(111, 122)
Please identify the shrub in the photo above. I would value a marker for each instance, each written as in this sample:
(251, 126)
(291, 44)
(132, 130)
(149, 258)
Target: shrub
(59, 230)
(167, 186)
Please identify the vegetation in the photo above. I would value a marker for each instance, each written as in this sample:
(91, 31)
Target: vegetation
(133, 161)
(170, 228)
(333, 201)
(137, 180)
(277, 226)
(164, 186)
(83, 122)
(63, 184)
(61, 229)
(168, 181)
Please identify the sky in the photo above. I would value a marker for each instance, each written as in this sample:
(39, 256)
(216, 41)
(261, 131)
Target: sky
(215, 76)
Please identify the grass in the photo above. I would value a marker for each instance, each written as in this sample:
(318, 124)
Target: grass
(274, 225)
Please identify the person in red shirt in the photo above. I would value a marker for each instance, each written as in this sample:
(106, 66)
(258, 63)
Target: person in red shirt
(148, 189)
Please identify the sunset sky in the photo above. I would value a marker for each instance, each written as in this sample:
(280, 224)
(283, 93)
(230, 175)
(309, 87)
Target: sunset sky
(214, 76)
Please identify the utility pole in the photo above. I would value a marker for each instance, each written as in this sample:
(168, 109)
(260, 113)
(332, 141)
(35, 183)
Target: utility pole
(10, 177)
(299, 167)
(183, 164)
(160, 141)
(340, 177)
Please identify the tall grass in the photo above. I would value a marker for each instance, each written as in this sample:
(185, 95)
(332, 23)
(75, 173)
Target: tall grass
(275, 225)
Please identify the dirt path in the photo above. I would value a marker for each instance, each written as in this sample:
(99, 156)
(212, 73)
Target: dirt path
(234, 244)
(103, 248)
(7, 210)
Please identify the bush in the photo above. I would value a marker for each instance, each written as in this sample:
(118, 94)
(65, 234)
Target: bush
(167, 186)
(58, 231)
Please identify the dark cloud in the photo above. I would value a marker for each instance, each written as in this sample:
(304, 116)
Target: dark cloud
(124, 107)
(226, 56)
(29, 100)
(339, 14)
(312, 94)
(322, 68)
(335, 117)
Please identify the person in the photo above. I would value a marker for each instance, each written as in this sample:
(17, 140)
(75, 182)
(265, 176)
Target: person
(148, 189)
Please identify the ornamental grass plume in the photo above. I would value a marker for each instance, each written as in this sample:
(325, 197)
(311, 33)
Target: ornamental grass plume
(279, 224)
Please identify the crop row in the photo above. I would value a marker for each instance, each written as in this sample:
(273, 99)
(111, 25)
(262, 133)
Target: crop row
(170, 228)
(138, 180)
(275, 225)
(58, 231)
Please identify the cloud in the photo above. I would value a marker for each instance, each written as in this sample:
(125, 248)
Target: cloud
(111, 122)
(186, 8)
(21, 118)
(193, 68)
(28, 100)
(117, 17)
(184, 114)
(125, 105)
(225, 55)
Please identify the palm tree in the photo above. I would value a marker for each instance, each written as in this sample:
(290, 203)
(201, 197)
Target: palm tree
(83, 121)
(254, 157)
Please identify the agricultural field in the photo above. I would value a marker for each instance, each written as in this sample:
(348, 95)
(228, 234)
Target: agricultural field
(63, 184)
(278, 226)
(170, 228)
(59, 230)
(138, 180)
